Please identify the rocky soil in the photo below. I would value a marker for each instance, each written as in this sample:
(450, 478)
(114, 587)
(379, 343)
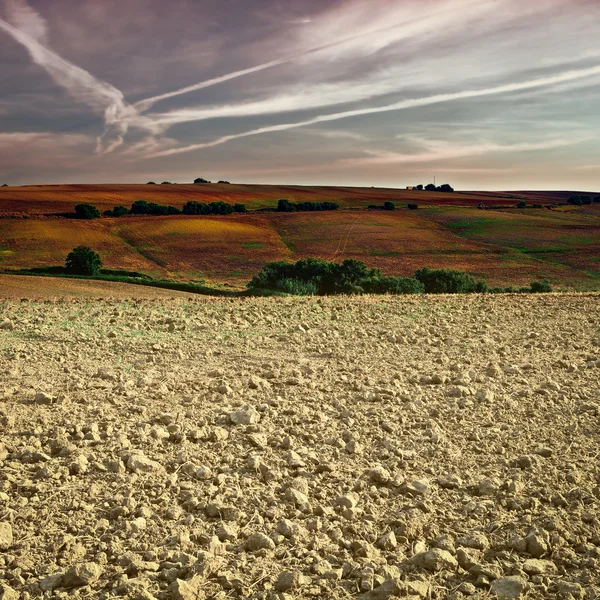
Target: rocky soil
(436, 447)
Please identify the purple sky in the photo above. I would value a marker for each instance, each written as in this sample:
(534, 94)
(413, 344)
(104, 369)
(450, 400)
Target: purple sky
(484, 94)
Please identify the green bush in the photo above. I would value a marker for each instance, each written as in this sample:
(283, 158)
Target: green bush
(214, 208)
(141, 207)
(521, 205)
(578, 200)
(117, 211)
(296, 287)
(540, 287)
(447, 281)
(392, 285)
(287, 206)
(86, 211)
(328, 278)
(83, 261)
(413, 206)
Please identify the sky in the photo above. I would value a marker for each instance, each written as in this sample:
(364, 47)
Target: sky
(481, 94)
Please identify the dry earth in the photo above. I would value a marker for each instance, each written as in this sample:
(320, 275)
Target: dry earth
(24, 286)
(434, 447)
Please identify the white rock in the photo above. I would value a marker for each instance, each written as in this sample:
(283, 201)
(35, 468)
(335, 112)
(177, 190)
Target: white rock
(247, 415)
(508, 588)
(139, 463)
(435, 560)
(259, 541)
(6, 535)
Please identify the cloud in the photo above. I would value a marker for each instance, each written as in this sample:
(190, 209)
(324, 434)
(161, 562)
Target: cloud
(100, 96)
(402, 105)
(375, 29)
(24, 18)
(439, 150)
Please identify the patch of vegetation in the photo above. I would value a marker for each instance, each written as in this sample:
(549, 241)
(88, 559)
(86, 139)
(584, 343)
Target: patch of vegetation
(254, 245)
(578, 200)
(65, 271)
(314, 276)
(141, 207)
(413, 206)
(287, 206)
(535, 287)
(117, 211)
(86, 211)
(386, 206)
(430, 187)
(448, 281)
(214, 208)
(83, 261)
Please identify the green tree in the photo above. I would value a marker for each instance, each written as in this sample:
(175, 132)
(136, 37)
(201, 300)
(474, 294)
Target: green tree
(86, 211)
(83, 261)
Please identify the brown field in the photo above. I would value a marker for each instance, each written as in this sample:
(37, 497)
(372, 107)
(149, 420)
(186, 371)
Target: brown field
(48, 199)
(503, 246)
(35, 288)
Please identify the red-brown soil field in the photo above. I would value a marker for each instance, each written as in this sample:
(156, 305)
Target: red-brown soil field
(505, 246)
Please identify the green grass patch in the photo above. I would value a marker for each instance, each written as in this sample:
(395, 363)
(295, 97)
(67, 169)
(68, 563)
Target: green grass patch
(383, 253)
(254, 245)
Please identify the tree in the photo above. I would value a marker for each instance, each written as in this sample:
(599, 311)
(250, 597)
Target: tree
(166, 183)
(223, 182)
(240, 208)
(419, 187)
(83, 261)
(540, 287)
(448, 281)
(430, 187)
(522, 205)
(117, 211)
(5, 185)
(86, 211)
(412, 206)
(446, 188)
(389, 206)
(151, 183)
(200, 180)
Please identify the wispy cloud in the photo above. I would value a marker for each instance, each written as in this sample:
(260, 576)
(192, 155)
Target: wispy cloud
(469, 70)
(442, 150)
(99, 95)
(23, 17)
(402, 105)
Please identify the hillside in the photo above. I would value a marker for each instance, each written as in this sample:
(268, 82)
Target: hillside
(506, 246)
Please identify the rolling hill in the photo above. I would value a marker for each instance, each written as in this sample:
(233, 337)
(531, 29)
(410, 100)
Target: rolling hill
(505, 246)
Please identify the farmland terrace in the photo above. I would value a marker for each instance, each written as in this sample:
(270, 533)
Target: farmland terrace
(504, 245)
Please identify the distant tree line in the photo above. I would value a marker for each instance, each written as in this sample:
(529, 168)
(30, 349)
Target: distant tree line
(577, 200)
(431, 187)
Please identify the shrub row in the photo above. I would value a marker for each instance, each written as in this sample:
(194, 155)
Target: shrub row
(317, 277)
(214, 208)
(578, 200)
(141, 207)
(287, 206)
(314, 276)
(386, 206)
